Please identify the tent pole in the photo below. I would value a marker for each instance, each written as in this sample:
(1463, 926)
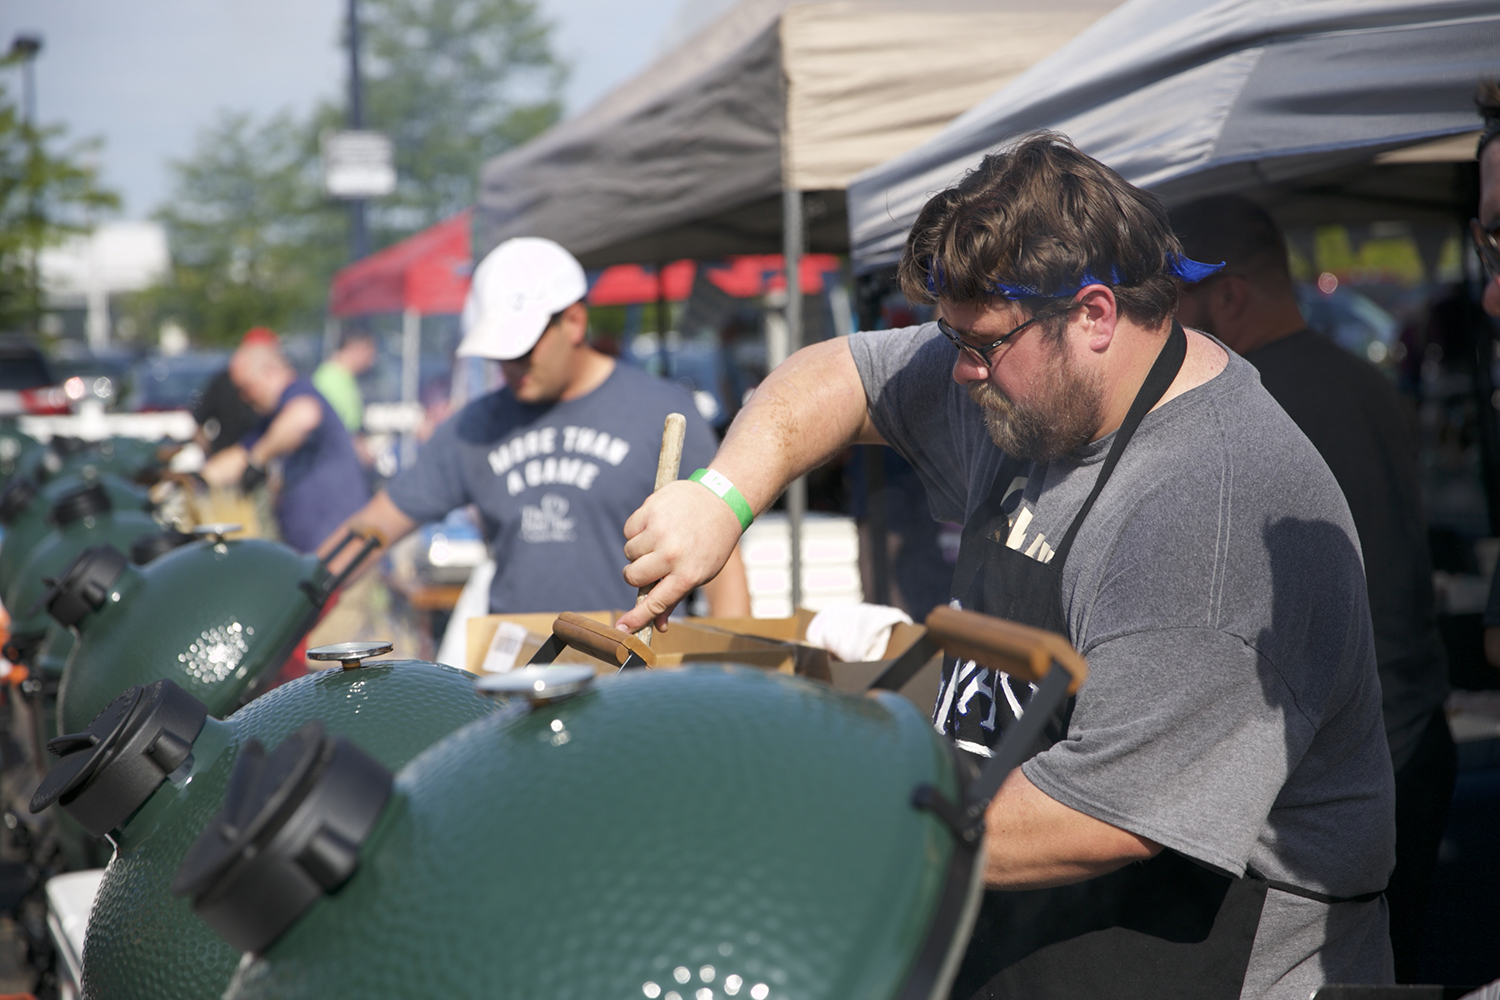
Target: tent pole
(411, 362)
(662, 317)
(331, 334)
(794, 236)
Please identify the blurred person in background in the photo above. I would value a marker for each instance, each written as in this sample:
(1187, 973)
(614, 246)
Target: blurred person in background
(337, 378)
(1353, 415)
(222, 415)
(557, 459)
(321, 482)
(1485, 243)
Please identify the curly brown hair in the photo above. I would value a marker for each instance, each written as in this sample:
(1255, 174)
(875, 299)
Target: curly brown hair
(1487, 100)
(1043, 214)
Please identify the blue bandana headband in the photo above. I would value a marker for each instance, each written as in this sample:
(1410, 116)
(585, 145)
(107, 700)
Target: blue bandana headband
(1178, 266)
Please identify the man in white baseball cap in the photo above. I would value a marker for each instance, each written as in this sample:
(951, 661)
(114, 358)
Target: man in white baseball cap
(557, 459)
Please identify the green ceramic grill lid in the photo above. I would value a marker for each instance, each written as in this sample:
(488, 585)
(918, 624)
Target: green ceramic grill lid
(25, 506)
(671, 835)
(129, 458)
(84, 518)
(145, 944)
(217, 617)
(15, 449)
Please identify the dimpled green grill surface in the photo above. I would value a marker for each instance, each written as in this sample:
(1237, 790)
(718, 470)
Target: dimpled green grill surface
(684, 835)
(146, 944)
(213, 619)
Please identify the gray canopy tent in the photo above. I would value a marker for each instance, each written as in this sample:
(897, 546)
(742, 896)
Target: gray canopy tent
(742, 139)
(1357, 106)
(689, 159)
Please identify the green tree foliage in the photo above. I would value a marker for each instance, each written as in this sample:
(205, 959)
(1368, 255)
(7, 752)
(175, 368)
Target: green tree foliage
(253, 239)
(453, 83)
(255, 242)
(46, 194)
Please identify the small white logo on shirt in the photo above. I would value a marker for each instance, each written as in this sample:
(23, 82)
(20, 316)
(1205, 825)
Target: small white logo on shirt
(548, 521)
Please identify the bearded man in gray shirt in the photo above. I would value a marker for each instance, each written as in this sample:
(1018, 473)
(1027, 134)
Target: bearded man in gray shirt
(1212, 816)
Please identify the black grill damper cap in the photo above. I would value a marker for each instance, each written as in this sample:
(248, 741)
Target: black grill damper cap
(290, 832)
(108, 771)
(16, 498)
(148, 547)
(81, 503)
(84, 585)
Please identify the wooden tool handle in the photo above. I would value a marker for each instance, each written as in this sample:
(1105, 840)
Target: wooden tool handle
(600, 640)
(1019, 650)
(668, 465)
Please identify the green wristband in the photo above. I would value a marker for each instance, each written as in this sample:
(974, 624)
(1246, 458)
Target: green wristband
(724, 490)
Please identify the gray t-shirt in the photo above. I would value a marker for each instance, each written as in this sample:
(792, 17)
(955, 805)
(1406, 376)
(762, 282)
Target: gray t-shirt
(1232, 711)
(554, 485)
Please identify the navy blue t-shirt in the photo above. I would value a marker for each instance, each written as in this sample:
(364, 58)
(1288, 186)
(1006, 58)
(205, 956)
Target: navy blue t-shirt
(554, 484)
(322, 482)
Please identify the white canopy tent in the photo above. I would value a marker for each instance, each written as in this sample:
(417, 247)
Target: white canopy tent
(1194, 97)
(691, 157)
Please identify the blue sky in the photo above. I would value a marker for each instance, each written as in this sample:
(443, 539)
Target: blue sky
(145, 75)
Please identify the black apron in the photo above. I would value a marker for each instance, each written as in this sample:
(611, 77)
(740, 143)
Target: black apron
(1165, 928)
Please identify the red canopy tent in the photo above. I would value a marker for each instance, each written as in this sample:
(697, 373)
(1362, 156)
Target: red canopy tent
(428, 274)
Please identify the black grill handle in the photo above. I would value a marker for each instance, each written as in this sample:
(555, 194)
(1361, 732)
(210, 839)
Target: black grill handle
(372, 542)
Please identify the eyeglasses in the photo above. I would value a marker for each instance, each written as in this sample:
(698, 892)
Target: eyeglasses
(980, 354)
(1489, 250)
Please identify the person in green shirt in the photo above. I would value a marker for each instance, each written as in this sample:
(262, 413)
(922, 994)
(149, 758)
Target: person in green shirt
(337, 377)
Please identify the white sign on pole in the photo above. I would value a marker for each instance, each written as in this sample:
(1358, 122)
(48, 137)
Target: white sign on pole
(358, 164)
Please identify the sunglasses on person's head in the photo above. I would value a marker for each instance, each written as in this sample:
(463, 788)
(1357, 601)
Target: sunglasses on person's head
(1489, 249)
(980, 353)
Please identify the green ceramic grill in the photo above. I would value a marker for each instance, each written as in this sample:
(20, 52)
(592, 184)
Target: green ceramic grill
(83, 518)
(39, 690)
(217, 618)
(710, 832)
(16, 448)
(129, 458)
(25, 508)
(152, 768)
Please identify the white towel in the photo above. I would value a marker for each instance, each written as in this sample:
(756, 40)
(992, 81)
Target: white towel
(855, 633)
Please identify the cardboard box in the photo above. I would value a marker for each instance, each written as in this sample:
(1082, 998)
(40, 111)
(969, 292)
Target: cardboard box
(768, 643)
(921, 690)
(686, 641)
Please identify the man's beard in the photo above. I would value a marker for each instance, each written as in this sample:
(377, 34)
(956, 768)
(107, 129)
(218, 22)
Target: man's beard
(1064, 414)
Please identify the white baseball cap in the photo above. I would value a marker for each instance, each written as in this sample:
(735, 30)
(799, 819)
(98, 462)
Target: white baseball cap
(517, 288)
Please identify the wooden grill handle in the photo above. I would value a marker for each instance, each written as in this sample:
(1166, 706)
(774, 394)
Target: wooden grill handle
(603, 641)
(1019, 650)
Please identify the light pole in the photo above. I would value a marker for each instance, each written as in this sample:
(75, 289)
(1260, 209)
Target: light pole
(359, 237)
(24, 49)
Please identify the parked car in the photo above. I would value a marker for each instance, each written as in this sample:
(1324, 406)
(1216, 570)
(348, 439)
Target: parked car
(28, 384)
(173, 382)
(102, 376)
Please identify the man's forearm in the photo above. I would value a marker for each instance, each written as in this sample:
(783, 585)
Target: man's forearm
(683, 535)
(1032, 841)
(804, 413)
(380, 517)
(292, 425)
